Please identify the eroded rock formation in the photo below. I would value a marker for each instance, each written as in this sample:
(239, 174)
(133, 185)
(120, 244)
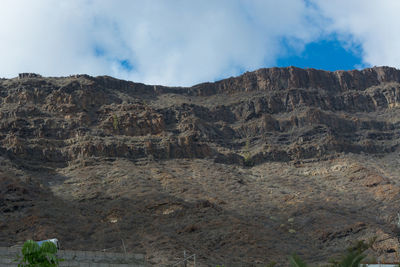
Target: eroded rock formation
(69, 140)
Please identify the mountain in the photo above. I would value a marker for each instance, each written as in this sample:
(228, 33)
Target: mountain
(245, 170)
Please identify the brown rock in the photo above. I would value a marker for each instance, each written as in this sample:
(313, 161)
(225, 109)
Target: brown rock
(242, 171)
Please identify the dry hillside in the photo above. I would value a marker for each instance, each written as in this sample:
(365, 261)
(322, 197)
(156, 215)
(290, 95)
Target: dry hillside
(242, 171)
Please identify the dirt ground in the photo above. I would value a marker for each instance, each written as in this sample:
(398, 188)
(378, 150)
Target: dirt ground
(224, 214)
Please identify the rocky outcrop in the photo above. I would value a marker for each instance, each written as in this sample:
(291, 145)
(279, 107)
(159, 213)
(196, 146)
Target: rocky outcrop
(261, 165)
(281, 113)
(292, 77)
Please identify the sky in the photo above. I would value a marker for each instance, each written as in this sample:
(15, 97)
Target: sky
(185, 42)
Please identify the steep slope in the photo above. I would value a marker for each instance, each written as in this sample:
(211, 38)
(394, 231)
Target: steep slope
(241, 171)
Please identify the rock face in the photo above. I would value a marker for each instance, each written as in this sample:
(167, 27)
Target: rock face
(101, 148)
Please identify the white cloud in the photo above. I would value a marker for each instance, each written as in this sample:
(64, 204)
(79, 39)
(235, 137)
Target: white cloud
(181, 42)
(176, 42)
(49, 37)
(372, 24)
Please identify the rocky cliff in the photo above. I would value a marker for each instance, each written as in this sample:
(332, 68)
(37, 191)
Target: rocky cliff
(216, 168)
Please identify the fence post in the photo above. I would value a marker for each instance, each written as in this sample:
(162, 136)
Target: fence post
(123, 244)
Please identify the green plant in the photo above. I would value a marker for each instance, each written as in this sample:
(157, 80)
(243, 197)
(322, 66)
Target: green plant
(352, 258)
(246, 154)
(355, 254)
(295, 261)
(34, 255)
(247, 159)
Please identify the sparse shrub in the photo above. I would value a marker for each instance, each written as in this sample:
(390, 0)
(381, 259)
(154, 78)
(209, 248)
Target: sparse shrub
(247, 155)
(115, 122)
(247, 159)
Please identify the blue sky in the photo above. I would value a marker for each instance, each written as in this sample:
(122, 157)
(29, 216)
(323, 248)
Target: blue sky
(324, 54)
(184, 42)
